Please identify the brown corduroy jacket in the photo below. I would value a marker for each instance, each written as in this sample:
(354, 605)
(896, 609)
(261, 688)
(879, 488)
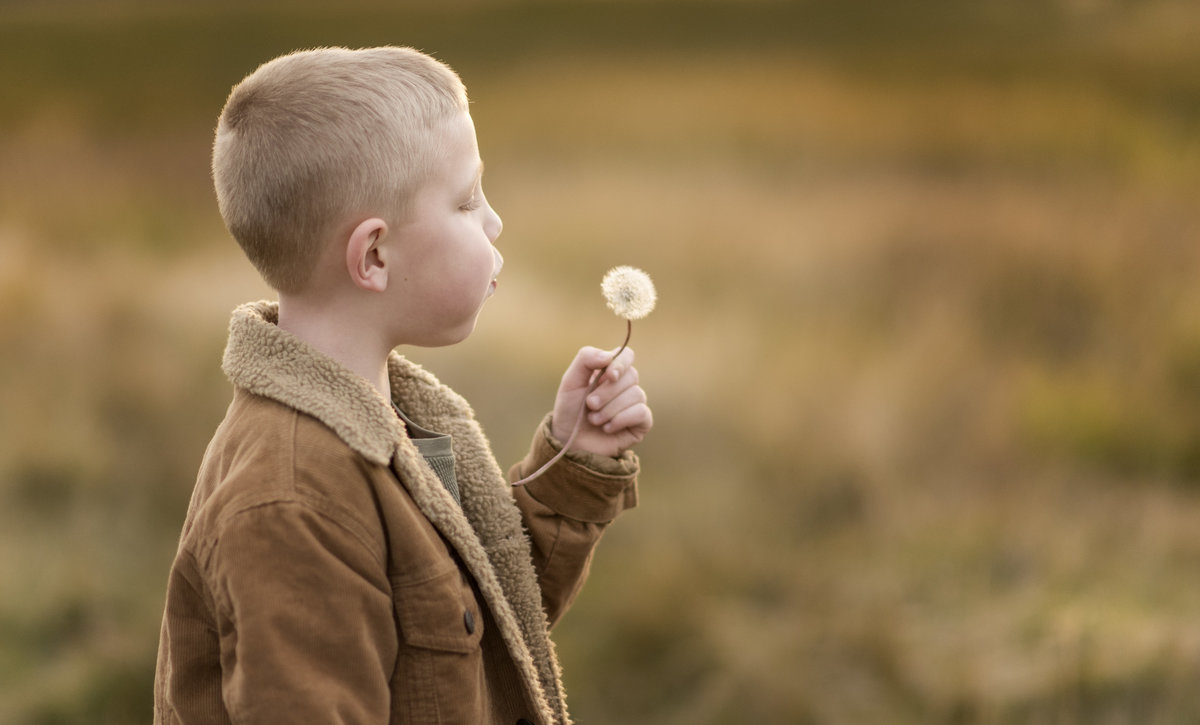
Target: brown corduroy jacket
(325, 574)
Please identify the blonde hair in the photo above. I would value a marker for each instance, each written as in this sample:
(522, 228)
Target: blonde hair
(310, 139)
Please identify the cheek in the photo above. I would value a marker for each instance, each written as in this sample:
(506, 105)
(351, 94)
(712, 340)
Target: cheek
(466, 280)
(479, 260)
(460, 267)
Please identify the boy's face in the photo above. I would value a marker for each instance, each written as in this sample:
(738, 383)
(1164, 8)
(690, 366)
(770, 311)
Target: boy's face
(447, 262)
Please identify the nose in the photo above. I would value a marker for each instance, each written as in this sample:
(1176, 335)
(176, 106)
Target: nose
(493, 225)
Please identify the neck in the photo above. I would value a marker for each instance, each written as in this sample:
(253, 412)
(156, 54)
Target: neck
(338, 333)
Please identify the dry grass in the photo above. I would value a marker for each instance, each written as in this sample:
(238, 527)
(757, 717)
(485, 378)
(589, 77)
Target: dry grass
(924, 365)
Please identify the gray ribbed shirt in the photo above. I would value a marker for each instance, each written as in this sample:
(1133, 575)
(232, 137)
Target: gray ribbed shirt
(438, 451)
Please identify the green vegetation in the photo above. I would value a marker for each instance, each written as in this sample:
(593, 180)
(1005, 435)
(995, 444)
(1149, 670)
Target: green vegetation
(925, 367)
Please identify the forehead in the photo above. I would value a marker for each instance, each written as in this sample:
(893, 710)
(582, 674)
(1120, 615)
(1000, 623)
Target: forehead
(454, 165)
(460, 150)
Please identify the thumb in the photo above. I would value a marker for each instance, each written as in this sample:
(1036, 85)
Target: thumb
(586, 363)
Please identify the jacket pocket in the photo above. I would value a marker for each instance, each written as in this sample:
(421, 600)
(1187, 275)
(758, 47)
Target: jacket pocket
(439, 674)
(439, 613)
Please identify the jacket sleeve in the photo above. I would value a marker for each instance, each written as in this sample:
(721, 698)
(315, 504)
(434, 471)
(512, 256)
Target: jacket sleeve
(567, 509)
(305, 624)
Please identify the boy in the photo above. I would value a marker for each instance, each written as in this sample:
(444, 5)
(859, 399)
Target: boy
(352, 552)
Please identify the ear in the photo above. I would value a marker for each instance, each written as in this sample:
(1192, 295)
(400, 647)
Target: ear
(367, 267)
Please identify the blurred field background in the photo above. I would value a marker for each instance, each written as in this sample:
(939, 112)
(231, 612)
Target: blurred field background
(926, 365)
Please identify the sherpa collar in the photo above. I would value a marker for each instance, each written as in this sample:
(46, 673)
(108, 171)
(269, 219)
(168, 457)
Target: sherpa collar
(486, 530)
(296, 374)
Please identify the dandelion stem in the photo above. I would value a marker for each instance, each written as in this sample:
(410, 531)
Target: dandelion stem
(595, 382)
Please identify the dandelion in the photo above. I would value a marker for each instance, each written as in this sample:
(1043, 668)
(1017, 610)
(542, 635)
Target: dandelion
(630, 294)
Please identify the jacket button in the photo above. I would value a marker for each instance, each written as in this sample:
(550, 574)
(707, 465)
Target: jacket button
(469, 621)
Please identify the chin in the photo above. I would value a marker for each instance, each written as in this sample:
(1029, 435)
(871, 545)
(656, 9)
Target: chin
(449, 337)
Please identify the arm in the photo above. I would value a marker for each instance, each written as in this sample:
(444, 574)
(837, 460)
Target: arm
(305, 619)
(568, 508)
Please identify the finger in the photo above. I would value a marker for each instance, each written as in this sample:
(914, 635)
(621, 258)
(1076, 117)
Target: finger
(629, 398)
(610, 389)
(620, 395)
(635, 420)
(585, 364)
(589, 361)
(618, 365)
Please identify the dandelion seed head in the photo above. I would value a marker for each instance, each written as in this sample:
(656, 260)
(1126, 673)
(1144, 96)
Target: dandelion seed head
(629, 292)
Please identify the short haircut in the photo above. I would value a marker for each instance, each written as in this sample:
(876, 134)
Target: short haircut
(311, 139)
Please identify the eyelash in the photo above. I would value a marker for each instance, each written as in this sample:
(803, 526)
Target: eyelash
(472, 204)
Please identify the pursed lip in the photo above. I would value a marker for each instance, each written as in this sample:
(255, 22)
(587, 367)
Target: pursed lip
(499, 260)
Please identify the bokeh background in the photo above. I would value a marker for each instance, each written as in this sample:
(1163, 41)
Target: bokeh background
(925, 368)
